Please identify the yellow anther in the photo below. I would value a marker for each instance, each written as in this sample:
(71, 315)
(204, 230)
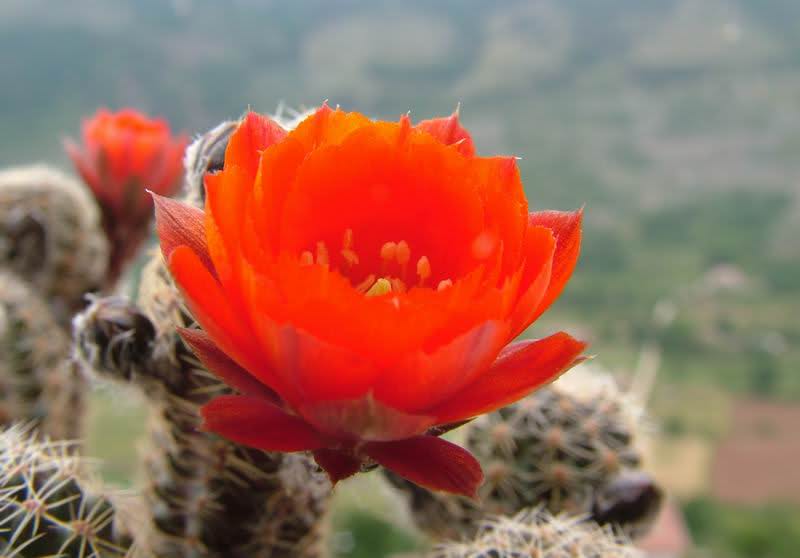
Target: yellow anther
(306, 258)
(403, 253)
(322, 254)
(423, 269)
(381, 287)
(444, 284)
(388, 251)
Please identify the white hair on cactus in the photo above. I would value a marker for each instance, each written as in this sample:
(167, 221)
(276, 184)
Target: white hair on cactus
(536, 532)
(289, 118)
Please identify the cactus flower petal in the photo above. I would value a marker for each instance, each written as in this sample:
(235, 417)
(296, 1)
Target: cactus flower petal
(449, 131)
(226, 369)
(519, 369)
(121, 155)
(368, 274)
(566, 228)
(339, 465)
(431, 462)
(179, 224)
(255, 422)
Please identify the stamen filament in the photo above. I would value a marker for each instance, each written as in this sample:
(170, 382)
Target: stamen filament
(403, 255)
(350, 257)
(322, 254)
(397, 285)
(388, 255)
(423, 269)
(364, 285)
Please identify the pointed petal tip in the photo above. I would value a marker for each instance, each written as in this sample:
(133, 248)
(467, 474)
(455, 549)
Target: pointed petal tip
(510, 165)
(520, 368)
(337, 465)
(430, 462)
(448, 130)
(567, 228)
(178, 224)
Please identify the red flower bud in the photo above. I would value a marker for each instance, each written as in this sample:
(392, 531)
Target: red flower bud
(121, 156)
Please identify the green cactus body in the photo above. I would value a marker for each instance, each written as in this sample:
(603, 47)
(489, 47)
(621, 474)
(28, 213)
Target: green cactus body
(39, 383)
(206, 497)
(50, 235)
(251, 503)
(538, 533)
(558, 447)
(49, 506)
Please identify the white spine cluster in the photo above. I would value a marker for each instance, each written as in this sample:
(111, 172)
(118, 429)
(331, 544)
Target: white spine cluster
(537, 533)
(48, 504)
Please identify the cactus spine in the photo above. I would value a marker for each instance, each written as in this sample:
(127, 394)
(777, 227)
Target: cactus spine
(557, 446)
(206, 497)
(52, 251)
(38, 384)
(49, 506)
(538, 533)
(563, 446)
(50, 235)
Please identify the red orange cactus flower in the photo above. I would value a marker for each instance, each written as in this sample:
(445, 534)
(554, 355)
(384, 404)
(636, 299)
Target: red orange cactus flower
(122, 155)
(358, 283)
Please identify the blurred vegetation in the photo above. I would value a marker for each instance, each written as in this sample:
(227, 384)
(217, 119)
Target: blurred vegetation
(363, 535)
(735, 532)
(674, 122)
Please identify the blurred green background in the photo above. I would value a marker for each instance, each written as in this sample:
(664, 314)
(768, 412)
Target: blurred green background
(675, 122)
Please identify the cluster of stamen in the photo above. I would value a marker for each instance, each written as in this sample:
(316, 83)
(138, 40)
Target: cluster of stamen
(392, 254)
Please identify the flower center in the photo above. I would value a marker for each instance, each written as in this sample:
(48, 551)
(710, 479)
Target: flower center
(393, 275)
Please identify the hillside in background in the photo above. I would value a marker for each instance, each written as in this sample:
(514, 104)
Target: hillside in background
(674, 122)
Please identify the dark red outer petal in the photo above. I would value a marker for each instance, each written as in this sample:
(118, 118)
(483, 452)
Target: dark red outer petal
(443, 429)
(430, 462)
(178, 224)
(257, 423)
(520, 368)
(224, 367)
(337, 464)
